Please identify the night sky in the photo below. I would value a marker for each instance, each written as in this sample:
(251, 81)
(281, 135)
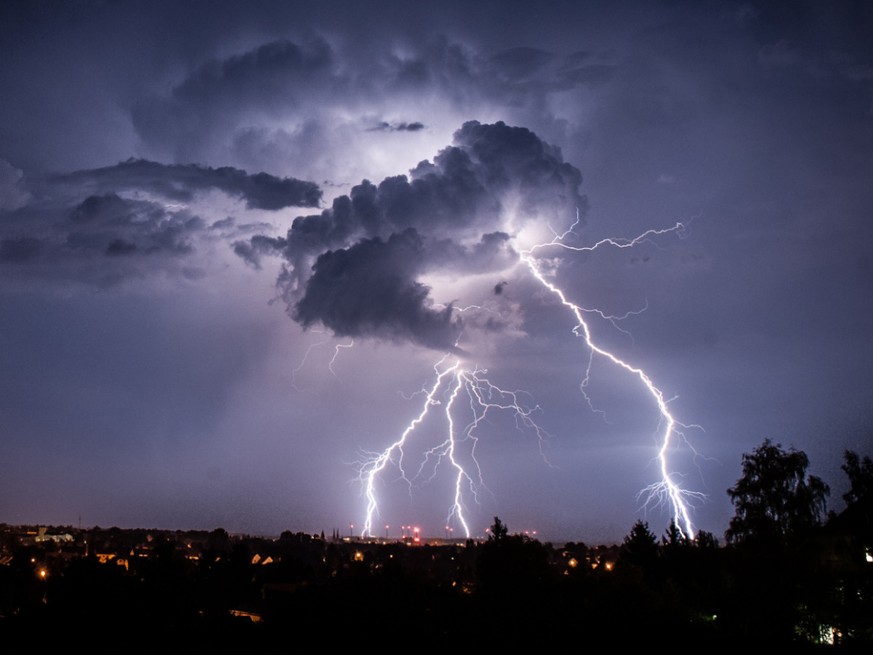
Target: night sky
(202, 204)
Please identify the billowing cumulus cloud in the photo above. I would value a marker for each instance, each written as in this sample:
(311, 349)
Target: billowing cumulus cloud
(370, 289)
(181, 181)
(356, 267)
(319, 96)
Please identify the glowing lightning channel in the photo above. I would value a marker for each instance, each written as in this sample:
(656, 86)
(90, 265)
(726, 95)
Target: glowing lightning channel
(484, 397)
(336, 351)
(377, 462)
(451, 380)
(457, 509)
(666, 490)
(302, 363)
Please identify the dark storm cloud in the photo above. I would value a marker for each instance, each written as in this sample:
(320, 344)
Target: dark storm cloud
(355, 266)
(384, 126)
(101, 240)
(180, 181)
(463, 190)
(369, 289)
(118, 225)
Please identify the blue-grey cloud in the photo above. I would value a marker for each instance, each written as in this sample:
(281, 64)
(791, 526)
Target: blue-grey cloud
(181, 181)
(355, 267)
(275, 79)
(264, 101)
(370, 289)
(116, 225)
(385, 126)
(102, 240)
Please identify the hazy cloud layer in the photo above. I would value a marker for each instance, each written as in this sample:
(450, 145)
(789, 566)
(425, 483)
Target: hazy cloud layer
(102, 240)
(106, 225)
(316, 94)
(181, 181)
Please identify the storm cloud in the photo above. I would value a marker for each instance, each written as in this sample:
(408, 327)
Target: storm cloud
(384, 126)
(102, 240)
(181, 181)
(370, 289)
(129, 220)
(355, 267)
(324, 93)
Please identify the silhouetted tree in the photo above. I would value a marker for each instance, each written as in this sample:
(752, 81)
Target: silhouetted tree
(849, 548)
(774, 565)
(706, 539)
(640, 545)
(498, 531)
(674, 538)
(859, 497)
(511, 565)
(775, 499)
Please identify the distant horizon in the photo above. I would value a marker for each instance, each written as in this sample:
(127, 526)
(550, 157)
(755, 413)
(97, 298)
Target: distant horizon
(276, 535)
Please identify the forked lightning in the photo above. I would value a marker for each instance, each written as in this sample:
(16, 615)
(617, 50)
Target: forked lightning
(453, 377)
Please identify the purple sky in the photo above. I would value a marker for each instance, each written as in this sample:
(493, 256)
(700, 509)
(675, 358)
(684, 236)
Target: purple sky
(167, 337)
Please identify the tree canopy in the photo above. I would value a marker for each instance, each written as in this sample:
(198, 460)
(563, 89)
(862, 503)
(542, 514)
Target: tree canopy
(775, 499)
(640, 545)
(859, 497)
(860, 474)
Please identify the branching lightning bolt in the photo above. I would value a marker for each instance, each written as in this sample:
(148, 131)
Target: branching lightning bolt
(667, 490)
(450, 382)
(452, 378)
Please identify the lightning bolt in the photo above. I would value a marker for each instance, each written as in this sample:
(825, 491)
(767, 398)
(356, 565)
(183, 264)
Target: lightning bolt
(452, 381)
(453, 378)
(336, 352)
(666, 491)
(302, 362)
